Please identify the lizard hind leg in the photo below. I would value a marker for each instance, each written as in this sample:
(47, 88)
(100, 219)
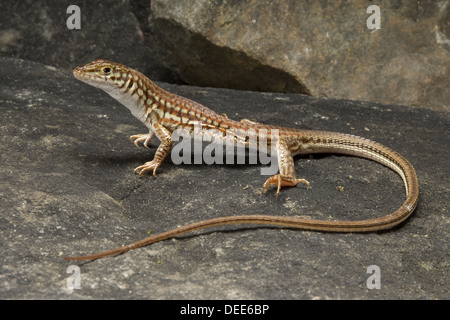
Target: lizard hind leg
(249, 121)
(286, 177)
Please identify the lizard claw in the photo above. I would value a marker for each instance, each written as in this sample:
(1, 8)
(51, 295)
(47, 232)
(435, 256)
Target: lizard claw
(146, 137)
(281, 181)
(151, 165)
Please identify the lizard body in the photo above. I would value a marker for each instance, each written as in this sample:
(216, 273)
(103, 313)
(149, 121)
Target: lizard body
(163, 112)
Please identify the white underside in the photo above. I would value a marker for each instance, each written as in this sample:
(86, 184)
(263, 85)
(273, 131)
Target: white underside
(132, 102)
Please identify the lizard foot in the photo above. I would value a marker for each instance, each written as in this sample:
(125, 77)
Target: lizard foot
(151, 165)
(145, 138)
(280, 181)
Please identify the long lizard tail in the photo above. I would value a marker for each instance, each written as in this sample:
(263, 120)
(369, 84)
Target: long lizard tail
(345, 144)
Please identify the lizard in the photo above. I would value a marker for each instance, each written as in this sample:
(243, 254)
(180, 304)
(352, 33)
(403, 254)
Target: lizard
(163, 112)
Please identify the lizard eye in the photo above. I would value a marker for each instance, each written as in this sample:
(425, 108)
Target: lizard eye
(106, 70)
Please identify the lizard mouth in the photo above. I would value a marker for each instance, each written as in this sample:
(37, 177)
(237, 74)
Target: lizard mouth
(81, 74)
(77, 72)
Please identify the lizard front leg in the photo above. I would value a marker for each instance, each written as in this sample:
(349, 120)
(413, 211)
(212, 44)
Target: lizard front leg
(146, 137)
(286, 177)
(161, 153)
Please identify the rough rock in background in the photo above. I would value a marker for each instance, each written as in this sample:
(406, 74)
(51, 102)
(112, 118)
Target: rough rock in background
(318, 47)
(116, 30)
(322, 48)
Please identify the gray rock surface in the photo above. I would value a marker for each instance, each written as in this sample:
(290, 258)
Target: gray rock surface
(67, 187)
(318, 47)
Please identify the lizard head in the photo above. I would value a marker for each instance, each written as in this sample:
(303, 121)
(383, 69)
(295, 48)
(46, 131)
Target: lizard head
(104, 74)
(124, 84)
